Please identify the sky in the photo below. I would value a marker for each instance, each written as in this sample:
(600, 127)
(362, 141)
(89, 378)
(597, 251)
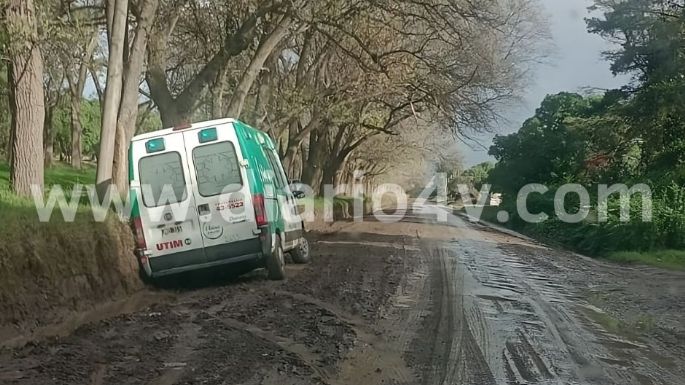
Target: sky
(575, 64)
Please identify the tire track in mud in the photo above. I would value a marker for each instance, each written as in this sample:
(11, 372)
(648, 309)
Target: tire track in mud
(506, 324)
(380, 355)
(185, 357)
(453, 356)
(525, 336)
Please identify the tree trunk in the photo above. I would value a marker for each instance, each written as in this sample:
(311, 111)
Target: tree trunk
(295, 139)
(297, 135)
(266, 79)
(76, 87)
(10, 142)
(293, 146)
(27, 103)
(179, 109)
(120, 170)
(115, 67)
(76, 131)
(218, 95)
(329, 172)
(48, 136)
(98, 88)
(252, 71)
(312, 172)
(128, 110)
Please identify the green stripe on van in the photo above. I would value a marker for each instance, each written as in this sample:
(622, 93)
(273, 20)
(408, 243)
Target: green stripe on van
(130, 163)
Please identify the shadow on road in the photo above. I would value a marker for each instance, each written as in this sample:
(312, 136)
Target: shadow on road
(239, 273)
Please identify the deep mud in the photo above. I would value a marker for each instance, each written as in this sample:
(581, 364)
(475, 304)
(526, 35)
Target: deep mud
(403, 303)
(219, 330)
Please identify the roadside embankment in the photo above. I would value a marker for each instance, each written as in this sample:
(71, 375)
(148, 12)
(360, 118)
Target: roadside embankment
(52, 270)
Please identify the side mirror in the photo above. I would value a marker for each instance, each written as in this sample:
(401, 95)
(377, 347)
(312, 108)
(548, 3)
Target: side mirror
(297, 188)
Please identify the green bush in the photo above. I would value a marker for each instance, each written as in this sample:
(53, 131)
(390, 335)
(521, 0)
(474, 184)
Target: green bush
(665, 231)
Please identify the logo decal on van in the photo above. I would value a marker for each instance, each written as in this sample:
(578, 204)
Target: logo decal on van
(174, 244)
(212, 231)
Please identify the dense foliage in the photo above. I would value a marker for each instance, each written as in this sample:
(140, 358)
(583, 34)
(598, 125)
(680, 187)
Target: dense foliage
(630, 136)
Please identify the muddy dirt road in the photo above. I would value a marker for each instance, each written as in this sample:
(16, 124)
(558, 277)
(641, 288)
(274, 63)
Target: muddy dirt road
(412, 302)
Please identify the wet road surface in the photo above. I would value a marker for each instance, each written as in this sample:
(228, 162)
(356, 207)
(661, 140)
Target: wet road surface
(412, 302)
(522, 314)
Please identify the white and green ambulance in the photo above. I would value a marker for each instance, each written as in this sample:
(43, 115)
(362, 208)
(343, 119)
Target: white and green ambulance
(211, 194)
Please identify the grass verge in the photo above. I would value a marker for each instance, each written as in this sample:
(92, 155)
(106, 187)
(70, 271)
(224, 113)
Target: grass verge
(668, 259)
(59, 174)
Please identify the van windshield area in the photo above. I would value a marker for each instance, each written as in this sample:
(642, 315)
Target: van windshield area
(162, 179)
(217, 169)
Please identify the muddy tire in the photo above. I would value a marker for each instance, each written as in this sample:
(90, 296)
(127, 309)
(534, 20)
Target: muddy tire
(275, 263)
(300, 254)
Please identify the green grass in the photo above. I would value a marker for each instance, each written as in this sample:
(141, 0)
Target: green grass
(669, 259)
(60, 174)
(13, 207)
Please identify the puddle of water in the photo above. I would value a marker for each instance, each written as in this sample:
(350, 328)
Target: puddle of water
(607, 322)
(625, 337)
(627, 330)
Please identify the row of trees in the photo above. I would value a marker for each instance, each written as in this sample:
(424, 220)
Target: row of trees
(340, 84)
(631, 135)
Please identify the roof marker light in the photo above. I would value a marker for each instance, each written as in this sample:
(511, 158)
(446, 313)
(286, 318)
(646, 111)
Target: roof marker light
(207, 135)
(154, 145)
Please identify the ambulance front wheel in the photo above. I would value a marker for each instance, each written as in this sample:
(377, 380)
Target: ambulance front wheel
(300, 254)
(275, 262)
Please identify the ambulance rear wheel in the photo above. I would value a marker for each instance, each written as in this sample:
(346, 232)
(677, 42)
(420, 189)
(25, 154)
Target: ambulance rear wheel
(142, 274)
(275, 263)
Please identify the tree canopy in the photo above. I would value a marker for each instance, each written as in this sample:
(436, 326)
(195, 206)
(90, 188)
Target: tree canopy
(329, 80)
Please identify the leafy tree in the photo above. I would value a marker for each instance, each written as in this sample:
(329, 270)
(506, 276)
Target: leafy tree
(547, 149)
(650, 36)
(90, 116)
(477, 175)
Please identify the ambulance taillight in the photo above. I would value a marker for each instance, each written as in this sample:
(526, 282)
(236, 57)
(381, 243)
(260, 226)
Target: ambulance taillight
(259, 210)
(139, 233)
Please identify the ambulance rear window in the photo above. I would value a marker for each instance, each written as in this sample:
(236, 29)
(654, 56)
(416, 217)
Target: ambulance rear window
(217, 169)
(162, 179)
